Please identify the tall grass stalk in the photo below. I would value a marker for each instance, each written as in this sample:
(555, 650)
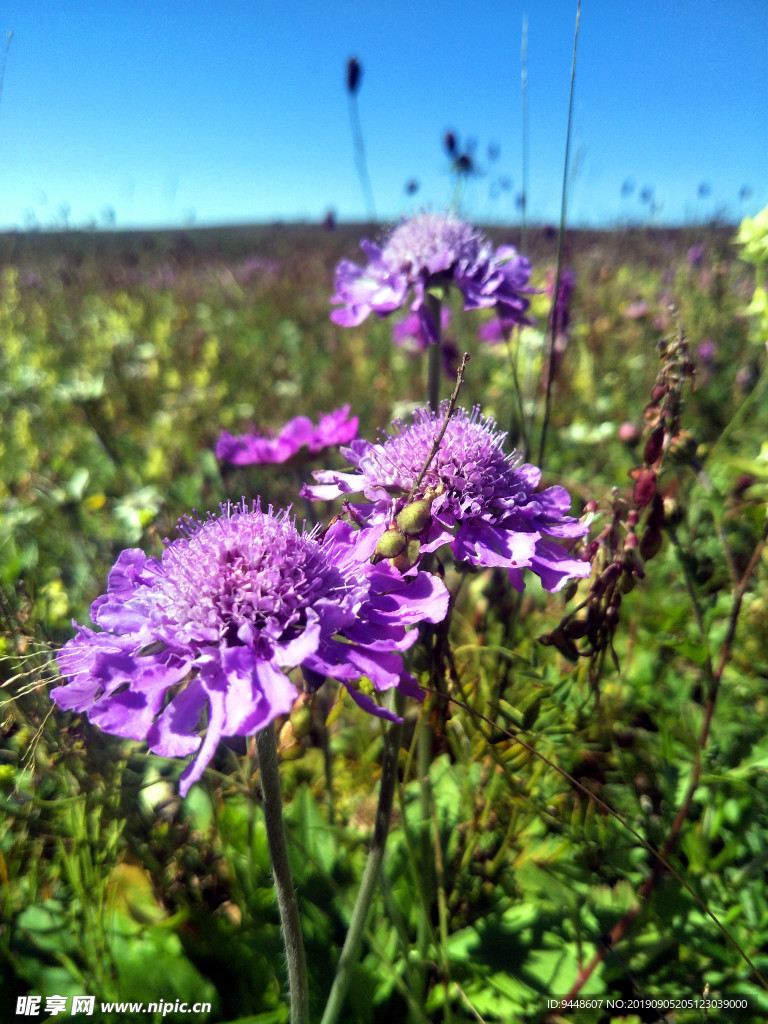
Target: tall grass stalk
(524, 92)
(360, 160)
(560, 238)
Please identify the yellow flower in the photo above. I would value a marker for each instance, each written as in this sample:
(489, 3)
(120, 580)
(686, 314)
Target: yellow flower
(753, 236)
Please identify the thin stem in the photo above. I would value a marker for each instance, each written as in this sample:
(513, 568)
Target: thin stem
(351, 948)
(661, 861)
(561, 235)
(439, 438)
(518, 432)
(286, 897)
(524, 90)
(360, 161)
(434, 353)
(425, 881)
(442, 912)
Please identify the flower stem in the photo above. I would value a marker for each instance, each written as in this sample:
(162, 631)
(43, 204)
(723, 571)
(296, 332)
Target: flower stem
(286, 897)
(351, 949)
(433, 353)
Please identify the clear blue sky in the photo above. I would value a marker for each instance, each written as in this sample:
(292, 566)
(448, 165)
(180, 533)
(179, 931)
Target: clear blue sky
(215, 111)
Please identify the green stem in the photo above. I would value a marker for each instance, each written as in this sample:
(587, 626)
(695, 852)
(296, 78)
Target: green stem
(561, 234)
(424, 930)
(524, 91)
(350, 951)
(434, 353)
(286, 897)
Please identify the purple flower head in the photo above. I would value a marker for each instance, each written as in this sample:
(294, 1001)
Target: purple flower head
(429, 251)
(333, 428)
(695, 255)
(193, 647)
(478, 499)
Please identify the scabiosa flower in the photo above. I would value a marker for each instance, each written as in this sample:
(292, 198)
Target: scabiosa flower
(431, 250)
(473, 496)
(193, 646)
(333, 428)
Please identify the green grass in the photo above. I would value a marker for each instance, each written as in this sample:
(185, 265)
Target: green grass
(123, 356)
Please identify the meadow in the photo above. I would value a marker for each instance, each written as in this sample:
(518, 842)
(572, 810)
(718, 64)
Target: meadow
(586, 817)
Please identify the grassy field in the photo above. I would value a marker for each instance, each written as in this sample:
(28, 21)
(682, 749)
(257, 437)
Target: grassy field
(588, 823)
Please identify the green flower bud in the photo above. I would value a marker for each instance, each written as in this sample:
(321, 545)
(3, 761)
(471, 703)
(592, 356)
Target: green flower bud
(408, 557)
(390, 545)
(301, 720)
(415, 517)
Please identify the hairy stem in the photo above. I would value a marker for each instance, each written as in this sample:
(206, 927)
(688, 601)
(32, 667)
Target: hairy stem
(443, 428)
(370, 879)
(286, 897)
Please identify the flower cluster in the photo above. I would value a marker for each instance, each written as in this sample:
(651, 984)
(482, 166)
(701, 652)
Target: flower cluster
(472, 496)
(199, 640)
(333, 428)
(198, 645)
(427, 252)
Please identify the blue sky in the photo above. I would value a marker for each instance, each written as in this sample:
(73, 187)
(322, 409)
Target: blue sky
(217, 111)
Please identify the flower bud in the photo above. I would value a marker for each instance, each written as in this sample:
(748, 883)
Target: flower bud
(645, 486)
(414, 518)
(390, 544)
(289, 746)
(408, 557)
(653, 446)
(629, 433)
(301, 718)
(650, 545)
(627, 583)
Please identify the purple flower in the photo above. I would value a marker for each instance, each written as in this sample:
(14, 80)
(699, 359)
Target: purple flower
(193, 647)
(410, 331)
(428, 251)
(333, 428)
(695, 255)
(474, 497)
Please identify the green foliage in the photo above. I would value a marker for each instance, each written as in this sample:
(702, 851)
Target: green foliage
(528, 838)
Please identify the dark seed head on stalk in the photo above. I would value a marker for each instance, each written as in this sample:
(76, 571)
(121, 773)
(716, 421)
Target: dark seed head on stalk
(633, 533)
(354, 74)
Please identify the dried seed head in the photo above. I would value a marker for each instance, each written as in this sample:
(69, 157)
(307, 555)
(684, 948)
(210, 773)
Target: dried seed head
(354, 74)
